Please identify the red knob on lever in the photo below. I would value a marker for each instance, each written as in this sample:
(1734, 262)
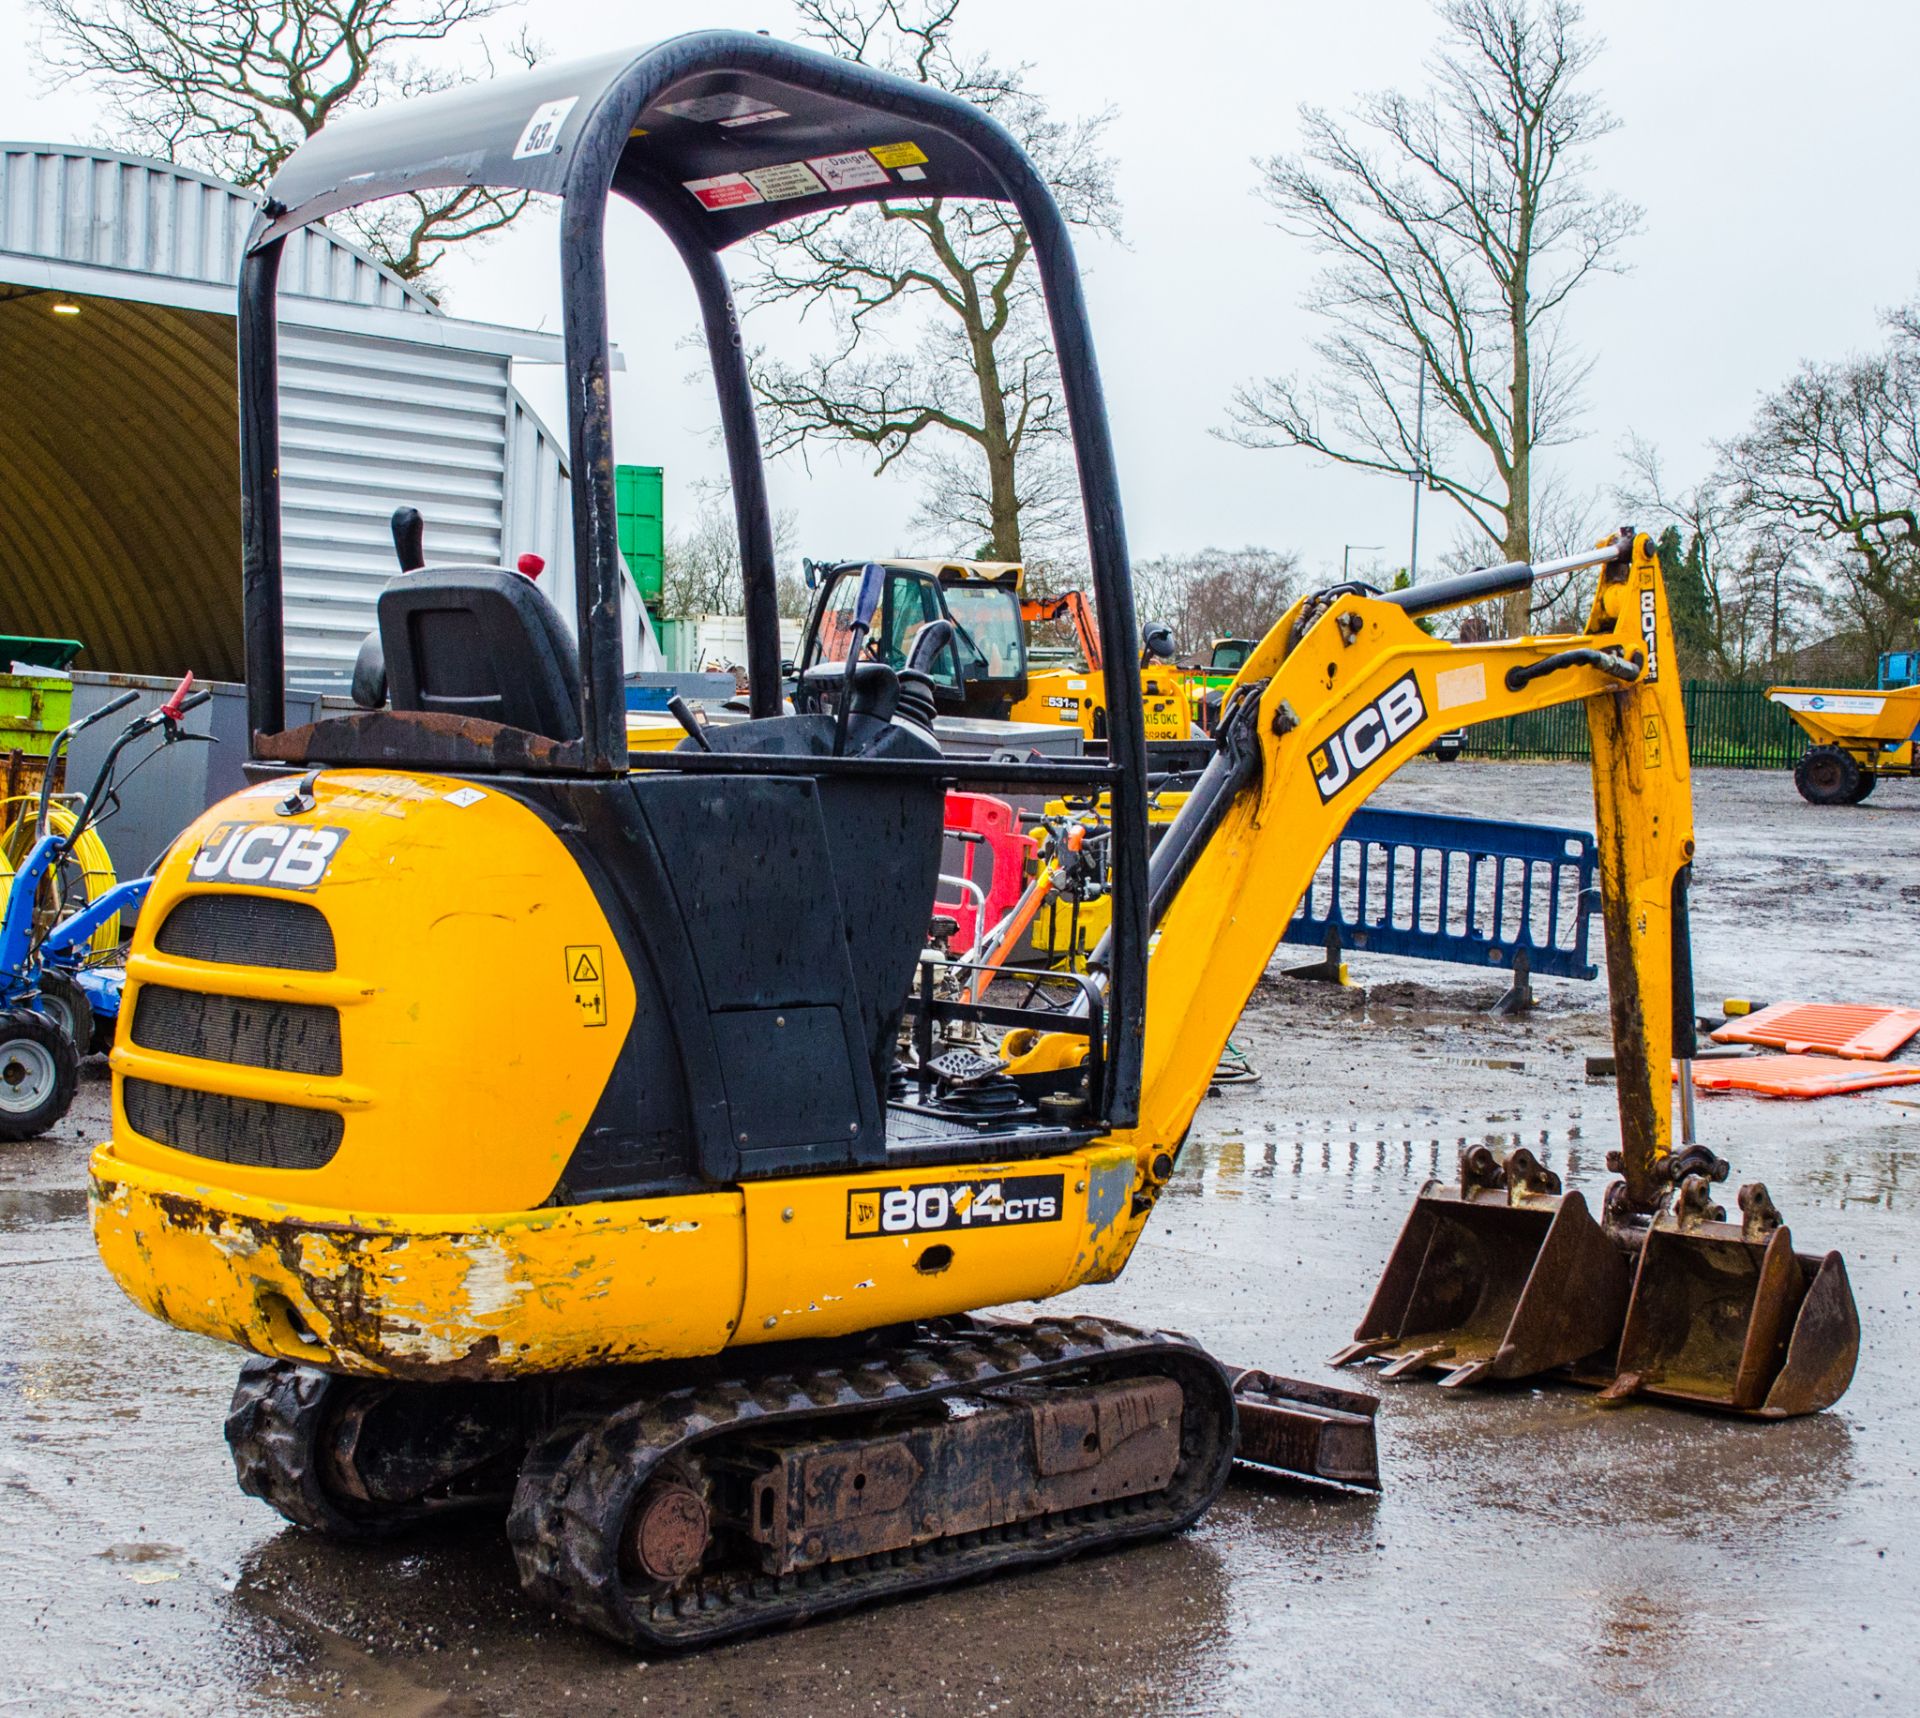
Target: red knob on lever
(171, 708)
(532, 565)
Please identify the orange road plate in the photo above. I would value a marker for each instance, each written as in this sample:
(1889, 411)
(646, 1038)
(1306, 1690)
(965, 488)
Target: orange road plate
(1856, 1031)
(1800, 1076)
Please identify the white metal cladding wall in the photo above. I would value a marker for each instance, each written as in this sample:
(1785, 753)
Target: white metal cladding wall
(369, 422)
(92, 206)
(366, 426)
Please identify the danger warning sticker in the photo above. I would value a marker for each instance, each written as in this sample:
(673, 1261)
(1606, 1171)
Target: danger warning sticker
(850, 171)
(784, 180)
(587, 978)
(899, 154)
(727, 191)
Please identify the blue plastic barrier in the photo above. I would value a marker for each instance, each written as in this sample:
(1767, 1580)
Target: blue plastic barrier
(1463, 889)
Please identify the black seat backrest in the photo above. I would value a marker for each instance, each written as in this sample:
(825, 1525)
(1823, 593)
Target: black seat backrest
(481, 642)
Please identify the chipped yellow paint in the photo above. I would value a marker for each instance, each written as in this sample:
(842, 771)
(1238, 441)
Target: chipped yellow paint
(425, 1295)
(458, 1295)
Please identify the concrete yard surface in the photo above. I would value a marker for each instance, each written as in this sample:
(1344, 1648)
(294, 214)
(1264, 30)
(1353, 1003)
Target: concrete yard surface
(1531, 1551)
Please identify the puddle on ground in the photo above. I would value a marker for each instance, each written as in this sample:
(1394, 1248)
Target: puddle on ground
(147, 1562)
(1278, 1159)
(40, 1207)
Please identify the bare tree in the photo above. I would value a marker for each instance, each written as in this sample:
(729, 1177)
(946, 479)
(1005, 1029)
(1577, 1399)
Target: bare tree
(941, 359)
(701, 571)
(1833, 458)
(233, 87)
(1761, 604)
(1215, 593)
(1459, 224)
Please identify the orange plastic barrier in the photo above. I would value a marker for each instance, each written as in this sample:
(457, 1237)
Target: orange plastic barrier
(1799, 1076)
(1852, 1030)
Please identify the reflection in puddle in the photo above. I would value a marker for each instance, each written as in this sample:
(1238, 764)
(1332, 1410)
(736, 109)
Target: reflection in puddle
(37, 1208)
(1235, 1163)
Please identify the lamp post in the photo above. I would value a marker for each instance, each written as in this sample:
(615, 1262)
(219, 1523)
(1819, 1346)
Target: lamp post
(1346, 557)
(1419, 476)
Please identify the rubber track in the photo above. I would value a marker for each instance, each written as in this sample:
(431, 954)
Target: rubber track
(278, 1414)
(578, 1484)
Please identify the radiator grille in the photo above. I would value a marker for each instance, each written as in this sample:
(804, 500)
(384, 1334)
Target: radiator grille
(233, 1130)
(249, 930)
(289, 1037)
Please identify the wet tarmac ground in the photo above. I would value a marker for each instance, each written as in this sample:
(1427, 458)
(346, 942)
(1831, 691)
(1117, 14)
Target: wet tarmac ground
(1530, 1552)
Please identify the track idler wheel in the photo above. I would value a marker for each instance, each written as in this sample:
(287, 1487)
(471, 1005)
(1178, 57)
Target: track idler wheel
(365, 1459)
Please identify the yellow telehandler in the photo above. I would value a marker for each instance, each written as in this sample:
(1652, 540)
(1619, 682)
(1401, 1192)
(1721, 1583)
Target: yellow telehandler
(583, 1136)
(986, 668)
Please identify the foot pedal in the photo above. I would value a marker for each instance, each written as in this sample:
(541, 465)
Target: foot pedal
(964, 1067)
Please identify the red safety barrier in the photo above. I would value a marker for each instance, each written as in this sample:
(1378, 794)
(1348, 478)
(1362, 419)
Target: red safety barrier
(992, 857)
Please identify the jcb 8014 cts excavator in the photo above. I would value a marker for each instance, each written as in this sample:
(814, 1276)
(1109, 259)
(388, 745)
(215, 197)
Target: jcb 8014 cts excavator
(569, 1131)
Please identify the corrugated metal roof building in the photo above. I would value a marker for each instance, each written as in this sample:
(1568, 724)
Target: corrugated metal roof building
(119, 474)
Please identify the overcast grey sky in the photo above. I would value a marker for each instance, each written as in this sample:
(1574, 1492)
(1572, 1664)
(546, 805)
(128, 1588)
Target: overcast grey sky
(1767, 141)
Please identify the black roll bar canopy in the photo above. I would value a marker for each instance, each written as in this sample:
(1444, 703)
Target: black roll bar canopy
(717, 135)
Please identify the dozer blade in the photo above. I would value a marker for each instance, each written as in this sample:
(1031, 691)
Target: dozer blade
(1727, 1316)
(1306, 1431)
(1503, 1277)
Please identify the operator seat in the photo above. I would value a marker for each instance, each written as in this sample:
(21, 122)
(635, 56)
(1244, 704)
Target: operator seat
(480, 642)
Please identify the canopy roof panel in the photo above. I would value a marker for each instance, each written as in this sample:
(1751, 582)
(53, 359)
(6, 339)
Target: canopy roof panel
(748, 131)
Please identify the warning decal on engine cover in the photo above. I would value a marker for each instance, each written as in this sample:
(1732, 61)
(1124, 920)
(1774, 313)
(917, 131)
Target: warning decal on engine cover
(937, 1205)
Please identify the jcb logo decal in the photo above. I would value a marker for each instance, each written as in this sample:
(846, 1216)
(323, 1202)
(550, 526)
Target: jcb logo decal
(269, 855)
(937, 1205)
(1365, 738)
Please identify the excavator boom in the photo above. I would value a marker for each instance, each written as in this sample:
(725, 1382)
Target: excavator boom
(1343, 690)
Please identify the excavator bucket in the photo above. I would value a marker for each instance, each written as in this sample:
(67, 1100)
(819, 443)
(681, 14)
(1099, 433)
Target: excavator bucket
(1502, 1277)
(1727, 1316)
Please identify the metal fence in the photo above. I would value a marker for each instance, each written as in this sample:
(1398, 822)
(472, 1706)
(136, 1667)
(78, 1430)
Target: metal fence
(1733, 727)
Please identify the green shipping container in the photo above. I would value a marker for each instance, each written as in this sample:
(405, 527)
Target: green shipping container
(637, 502)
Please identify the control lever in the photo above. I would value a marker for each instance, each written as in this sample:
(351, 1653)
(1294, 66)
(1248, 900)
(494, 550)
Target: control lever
(873, 581)
(682, 712)
(409, 538)
(934, 637)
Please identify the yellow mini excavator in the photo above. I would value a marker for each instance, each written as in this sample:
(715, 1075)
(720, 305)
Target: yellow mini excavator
(595, 1138)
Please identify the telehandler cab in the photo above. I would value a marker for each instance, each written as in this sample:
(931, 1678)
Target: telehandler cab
(676, 1258)
(985, 668)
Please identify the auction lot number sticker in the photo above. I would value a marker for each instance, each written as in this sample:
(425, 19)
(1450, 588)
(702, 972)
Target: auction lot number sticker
(933, 1206)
